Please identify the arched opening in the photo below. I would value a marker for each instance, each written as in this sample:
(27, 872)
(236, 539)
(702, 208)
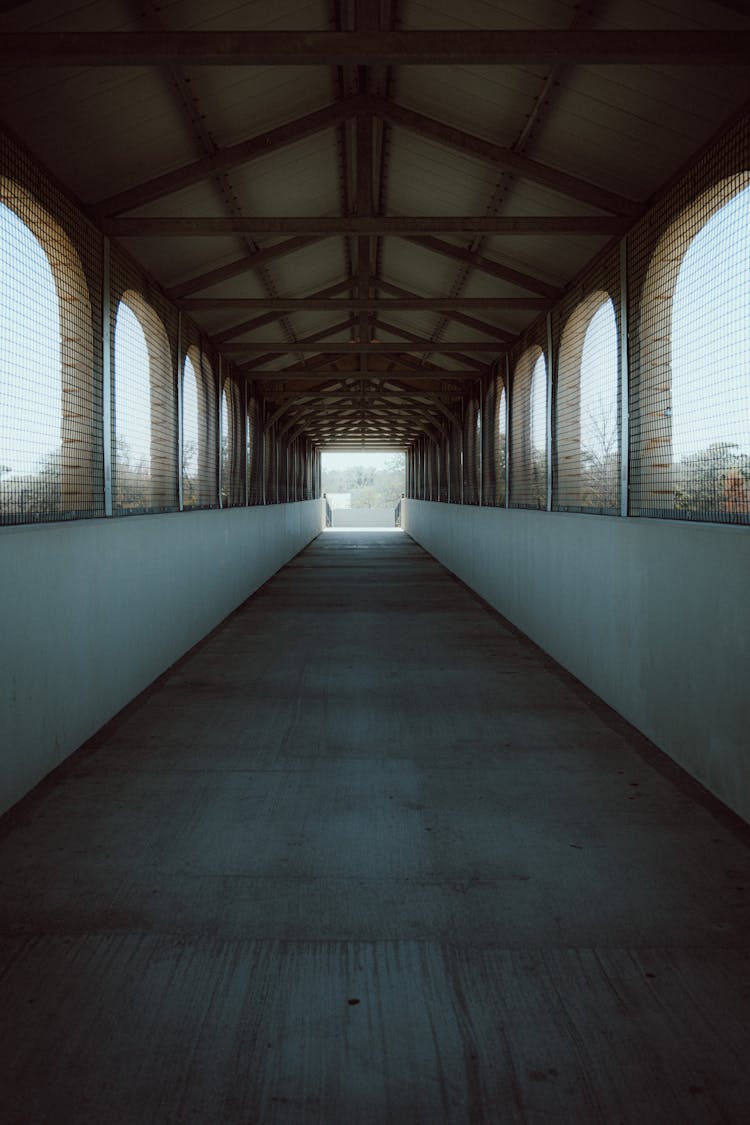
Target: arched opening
(50, 465)
(692, 454)
(144, 460)
(190, 432)
(529, 431)
(225, 433)
(501, 430)
(587, 467)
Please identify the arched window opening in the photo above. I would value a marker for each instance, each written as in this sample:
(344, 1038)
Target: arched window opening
(711, 367)
(50, 449)
(248, 447)
(471, 454)
(144, 457)
(587, 470)
(692, 455)
(529, 434)
(226, 451)
(502, 446)
(255, 455)
(190, 435)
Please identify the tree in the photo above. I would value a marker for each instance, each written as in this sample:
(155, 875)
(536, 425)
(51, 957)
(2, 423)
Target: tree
(713, 482)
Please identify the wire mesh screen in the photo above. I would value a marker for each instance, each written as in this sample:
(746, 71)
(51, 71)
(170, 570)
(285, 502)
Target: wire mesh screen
(51, 465)
(689, 295)
(199, 423)
(455, 464)
(270, 471)
(144, 414)
(282, 468)
(433, 461)
(494, 442)
(309, 470)
(585, 325)
(291, 470)
(255, 455)
(471, 449)
(528, 434)
(302, 460)
(298, 460)
(232, 444)
(444, 469)
(419, 453)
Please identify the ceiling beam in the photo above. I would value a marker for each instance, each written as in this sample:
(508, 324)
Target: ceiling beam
(459, 318)
(420, 342)
(357, 347)
(516, 162)
(363, 225)
(235, 269)
(487, 265)
(412, 366)
(279, 314)
(427, 374)
(364, 198)
(386, 304)
(392, 390)
(448, 47)
(225, 158)
(307, 343)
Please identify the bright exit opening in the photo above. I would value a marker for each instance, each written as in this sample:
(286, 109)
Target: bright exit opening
(363, 487)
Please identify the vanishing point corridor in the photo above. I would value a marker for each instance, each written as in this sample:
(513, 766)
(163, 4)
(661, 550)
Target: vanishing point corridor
(365, 855)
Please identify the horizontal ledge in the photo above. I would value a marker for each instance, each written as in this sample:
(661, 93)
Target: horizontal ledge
(341, 304)
(208, 227)
(373, 48)
(356, 348)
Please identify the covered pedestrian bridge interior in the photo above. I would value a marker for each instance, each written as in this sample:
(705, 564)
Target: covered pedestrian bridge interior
(372, 848)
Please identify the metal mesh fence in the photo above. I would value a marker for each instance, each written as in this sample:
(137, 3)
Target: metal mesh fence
(444, 468)
(689, 295)
(472, 437)
(494, 441)
(586, 383)
(199, 421)
(688, 275)
(433, 454)
(51, 460)
(270, 467)
(254, 448)
(232, 444)
(528, 421)
(144, 403)
(419, 468)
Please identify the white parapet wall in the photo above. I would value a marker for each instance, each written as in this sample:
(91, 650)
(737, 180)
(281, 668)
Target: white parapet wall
(652, 615)
(92, 611)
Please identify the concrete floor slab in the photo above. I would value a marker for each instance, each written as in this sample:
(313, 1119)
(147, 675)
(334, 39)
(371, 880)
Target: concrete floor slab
(367, 856)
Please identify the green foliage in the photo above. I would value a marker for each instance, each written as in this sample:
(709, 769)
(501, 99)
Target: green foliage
(369, 487)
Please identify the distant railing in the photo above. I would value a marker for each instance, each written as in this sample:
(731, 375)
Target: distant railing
(397, 515)
(329, 513)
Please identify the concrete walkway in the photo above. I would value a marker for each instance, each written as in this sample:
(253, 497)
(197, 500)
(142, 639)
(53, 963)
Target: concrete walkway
(366, 857)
